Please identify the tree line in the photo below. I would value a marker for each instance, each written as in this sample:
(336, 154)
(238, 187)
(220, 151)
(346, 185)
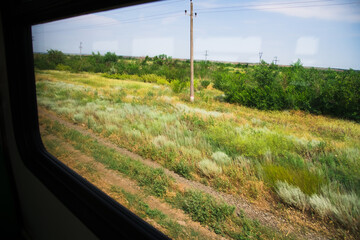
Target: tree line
(263, 86)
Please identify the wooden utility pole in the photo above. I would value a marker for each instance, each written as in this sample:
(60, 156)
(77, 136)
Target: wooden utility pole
(191, 51)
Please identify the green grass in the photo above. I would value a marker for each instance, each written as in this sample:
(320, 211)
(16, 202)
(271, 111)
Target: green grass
(221, 217)
(307, 151)
(201, 207)
(307, 181)
(154, 180)
(173, 229)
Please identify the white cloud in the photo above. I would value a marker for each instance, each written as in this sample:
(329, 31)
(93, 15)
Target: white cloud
(338, 11)
(152, 46)
(307, 46)
(229, 44)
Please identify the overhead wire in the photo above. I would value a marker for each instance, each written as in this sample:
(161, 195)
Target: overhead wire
(131, 8)
(248, 7)
(263, 4)
(147, 5)
(255, 8)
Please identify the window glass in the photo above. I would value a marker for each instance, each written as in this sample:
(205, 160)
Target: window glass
(231, 119)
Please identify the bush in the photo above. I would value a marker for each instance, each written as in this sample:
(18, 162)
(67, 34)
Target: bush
(110, 57)
(122, 76)
(205, 83)
(269, 87)
(62, 67)
(204, 209)
(162, 81)
(162, 141)
(291, 195)
(346, 209)
(177, 86)
(209, 168)
(151, 78)
(183, 168)
(79, 117)
(55, 56)
(321, 205)
(221, 158)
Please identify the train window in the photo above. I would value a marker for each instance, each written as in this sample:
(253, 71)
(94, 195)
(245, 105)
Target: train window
(228, 120)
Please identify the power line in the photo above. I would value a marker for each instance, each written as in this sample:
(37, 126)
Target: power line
(252, 7)
(278, 8)
(133, 20)
(147, 5)
(263, 5)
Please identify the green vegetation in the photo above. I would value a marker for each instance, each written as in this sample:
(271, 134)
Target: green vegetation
(173, 229)
(271, 87)
(224, 149)
(154, 180)
(264, 86)
(204, 209)
(201, 207)
(144, 108)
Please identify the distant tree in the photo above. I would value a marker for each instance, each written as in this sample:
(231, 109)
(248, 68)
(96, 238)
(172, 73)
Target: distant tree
(55, 57)
(110, 57)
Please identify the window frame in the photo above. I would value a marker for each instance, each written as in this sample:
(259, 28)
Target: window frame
(101, 214)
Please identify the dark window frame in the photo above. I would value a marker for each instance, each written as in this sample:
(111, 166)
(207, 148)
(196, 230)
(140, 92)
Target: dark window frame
(101, 214)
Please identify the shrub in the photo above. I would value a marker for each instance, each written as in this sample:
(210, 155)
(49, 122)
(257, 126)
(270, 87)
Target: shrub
(346, 207)
(221, 158)
(152, 78)
(177, 86)
(123, 76)
(183, 168)
(55, 57)
(110, 57)
(79, 117)
(321, 205)
(62, 67)
(162, 81)
(162, 141)
(205, 83)
(291, 195)
(209, 168)
(111, 128)
(204, 209)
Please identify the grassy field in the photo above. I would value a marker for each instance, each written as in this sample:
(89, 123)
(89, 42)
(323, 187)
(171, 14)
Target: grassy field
(309, 162)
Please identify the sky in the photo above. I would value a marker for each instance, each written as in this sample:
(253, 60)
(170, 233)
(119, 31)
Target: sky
(321, 33)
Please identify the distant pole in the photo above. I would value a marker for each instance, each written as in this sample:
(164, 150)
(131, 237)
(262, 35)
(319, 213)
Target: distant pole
(80, 47)
(191, 51)
(276, 60)
(206, 54)
(260, 55)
